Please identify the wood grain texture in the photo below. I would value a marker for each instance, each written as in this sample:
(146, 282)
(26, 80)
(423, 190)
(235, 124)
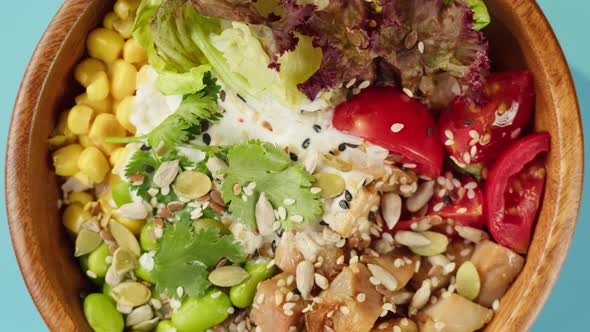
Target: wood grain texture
(519, 37)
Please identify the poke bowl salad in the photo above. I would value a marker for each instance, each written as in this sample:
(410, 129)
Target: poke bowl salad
(282, 165)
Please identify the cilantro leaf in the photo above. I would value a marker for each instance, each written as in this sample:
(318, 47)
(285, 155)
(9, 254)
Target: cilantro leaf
(195, 113)
(274, 174)
(185, 257)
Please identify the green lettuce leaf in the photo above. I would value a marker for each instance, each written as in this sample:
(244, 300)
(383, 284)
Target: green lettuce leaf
(172, 83)
(271, 170)
(142, 32)
(185, 257)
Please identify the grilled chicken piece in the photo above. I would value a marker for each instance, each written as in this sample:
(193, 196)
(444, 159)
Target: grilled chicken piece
(401, 263)
(271, 310)
(309, 245)
(497, 267)
(346, 222)
(453, 314)
(341, 307)
(460, 251)
(404, 324)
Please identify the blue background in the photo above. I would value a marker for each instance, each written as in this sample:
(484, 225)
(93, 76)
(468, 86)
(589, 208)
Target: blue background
(21, 25)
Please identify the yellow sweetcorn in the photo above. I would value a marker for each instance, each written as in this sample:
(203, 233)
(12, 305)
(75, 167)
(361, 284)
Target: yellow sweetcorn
(108, 20)
(121, 159)
(65, 160)
(100, 106)
(123, 113)
(80, 197)
(84, 179)
(86, 71)
(133, 225)
(99, 88)
(94, 164)
(105, 44)
(74, 217)
(79, 119)
(105, 126)
(133, 52)
(126, 8)
(85, 141)
(124, 77)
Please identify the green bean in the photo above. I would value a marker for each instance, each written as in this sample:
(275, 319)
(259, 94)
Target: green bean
(145, 240)
(144, 274)
(101, 314)
(97, 260)
(208, 222)
(165, 326)
(198, 314)
(242, 294)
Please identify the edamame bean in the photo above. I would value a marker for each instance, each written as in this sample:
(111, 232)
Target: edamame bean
(101, 314)
(146, 242)
(144, 274)
(165, 326)
(208, 222)
(106, 290)
(242, 295)
(198, 314)
(97, 263)
(121, 194)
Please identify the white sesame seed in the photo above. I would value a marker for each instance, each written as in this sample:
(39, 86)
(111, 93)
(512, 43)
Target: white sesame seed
(421, 47)
(397, 329)
(462, 210)
(408, 92)
(244, 198)
(344, 310)
(397, 127)
(449, 268)
(474, 134)
(456, 183)
(231, 310)
(470, 194)
(496, 305)
(288, 201)
(282, 213)
(467, 158)
(438, 206)
(350, 83)
(449, 134)
(515, 133)
(473, 151)
(289, 312)
(409, 166)
(364, 84)
(321, 281)
(288, 306)
(180, 291)
(361, 297)
(449, 142)
(315, 190)
(296, 218)
(340, 260)
(91, 274)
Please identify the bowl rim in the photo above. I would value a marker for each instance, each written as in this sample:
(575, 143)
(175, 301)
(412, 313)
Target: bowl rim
(17, 174)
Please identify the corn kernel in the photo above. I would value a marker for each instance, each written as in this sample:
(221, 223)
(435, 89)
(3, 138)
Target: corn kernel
(83, 179)
(85, 141)
(74, 217)
(126, 8)
(105, 44)
(114, 157)
(58, 141)
(124, 27)
(123, 112)
(100, 106)
(79, 119)
(124, 77)
(108, 20)
(105, 126)
(121, 160)
(133, 52)
(93, 163)
(143, 75)
(62, 127)
(87, 69)
(133, 225)
(99, 88)
(65, 160)
(80, 197)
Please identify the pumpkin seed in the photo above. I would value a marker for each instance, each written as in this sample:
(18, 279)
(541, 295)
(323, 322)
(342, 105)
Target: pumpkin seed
(86, 242)
(332, 185)
(265, 216)
(124, 261)
(192, 185)
(227, 276)
(131, 293)
(139, 315)
(468, 283)
(438, 245)
(124, 237)
(333, 161)
(203, 223)
(148, 325)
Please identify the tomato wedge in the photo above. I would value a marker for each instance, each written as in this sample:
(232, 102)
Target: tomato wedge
(513, 191)
(476, 133)
(387, 117)
(458, 200)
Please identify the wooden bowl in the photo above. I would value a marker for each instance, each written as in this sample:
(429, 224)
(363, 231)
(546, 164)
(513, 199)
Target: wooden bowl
(520, 37)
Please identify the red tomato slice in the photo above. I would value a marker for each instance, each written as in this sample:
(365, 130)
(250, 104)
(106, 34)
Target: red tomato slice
(513, 191)
(455, 202)
(475, 133)
(387, 117)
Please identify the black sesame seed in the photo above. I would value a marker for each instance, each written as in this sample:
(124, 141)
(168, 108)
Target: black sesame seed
(447, 200)
(347, 195)
(342, 147)
(206, 139)
(344, 204)
(145, 148)
(222, 95)
(242, 98)
(205, 126)
(148, 168)
(279, 233)
(306, 143)
(349, 95)
(352, 146)
(430, 132)
(468, 122)
(372, 217)
(317, 128)
(274, 245)
(332, 153)
(293, 156)
(323, 223)
(296, 291)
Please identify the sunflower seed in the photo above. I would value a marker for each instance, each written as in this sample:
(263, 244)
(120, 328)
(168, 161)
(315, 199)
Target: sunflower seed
(135, 210)
(215, 165)
(166, 173)
(472, 234)
(421, 297)
(139, 315)
(383, 276)
(265, 216)
(305, 278)
(411, 239)
(438, 244)
(146, 326)
(421, 197)
(391, 208)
